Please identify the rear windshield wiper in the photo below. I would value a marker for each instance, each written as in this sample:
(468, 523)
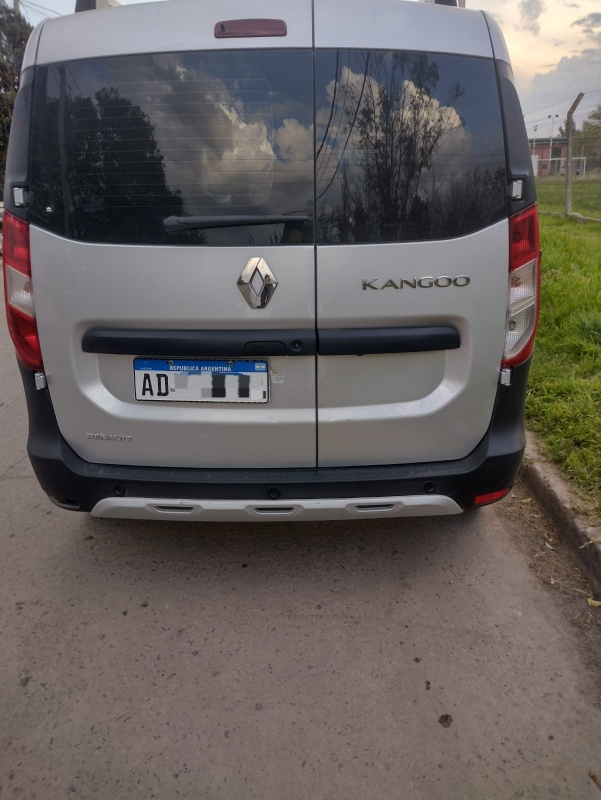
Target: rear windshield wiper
(177, 224)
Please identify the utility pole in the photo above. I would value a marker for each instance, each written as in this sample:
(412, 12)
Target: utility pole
(17, 6)
(550, 116)
(569, 134)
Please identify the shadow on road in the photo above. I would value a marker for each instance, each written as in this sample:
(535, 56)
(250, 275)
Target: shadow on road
(270, 554)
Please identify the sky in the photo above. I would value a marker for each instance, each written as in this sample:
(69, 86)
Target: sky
(554, 45)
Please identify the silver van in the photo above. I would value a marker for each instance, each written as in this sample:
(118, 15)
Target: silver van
(279, 267)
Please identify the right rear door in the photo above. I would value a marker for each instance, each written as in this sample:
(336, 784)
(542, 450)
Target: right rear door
(412, 234)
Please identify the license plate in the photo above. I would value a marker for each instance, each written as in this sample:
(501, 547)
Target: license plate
(194, 381)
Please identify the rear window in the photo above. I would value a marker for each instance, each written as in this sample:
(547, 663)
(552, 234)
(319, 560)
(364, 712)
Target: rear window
(120, 144)
(405, 146)
(409, 146)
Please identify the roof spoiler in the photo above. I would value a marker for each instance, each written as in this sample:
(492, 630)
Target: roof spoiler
(92, 5)
(456, 3)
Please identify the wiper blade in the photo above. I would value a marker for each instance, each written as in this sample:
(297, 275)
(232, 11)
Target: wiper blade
(177, 224)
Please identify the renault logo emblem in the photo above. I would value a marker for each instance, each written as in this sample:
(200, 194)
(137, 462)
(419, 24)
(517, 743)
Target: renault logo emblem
(257, 283)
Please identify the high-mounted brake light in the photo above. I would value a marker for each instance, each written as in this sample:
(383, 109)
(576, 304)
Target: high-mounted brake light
(524, 287)
(20, 311)
(250, 28)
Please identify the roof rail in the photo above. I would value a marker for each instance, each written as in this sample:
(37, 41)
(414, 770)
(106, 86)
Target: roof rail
(92, 5)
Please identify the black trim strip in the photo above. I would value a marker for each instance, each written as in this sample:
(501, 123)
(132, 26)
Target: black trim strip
(490, 467)
(517, 147)
(127, 341)
(335, 342)
(365, 341)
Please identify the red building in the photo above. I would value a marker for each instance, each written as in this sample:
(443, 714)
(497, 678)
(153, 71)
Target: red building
(550, 162)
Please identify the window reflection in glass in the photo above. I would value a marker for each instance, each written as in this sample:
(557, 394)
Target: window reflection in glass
(122, 143)
(406, 146)
(409, 146)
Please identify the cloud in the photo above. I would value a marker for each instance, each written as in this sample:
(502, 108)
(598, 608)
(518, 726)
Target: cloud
(433, 114)
(589, 24)
(295, 141)
(205, 148)
(530, 11)
(573, 74)
(348, 131)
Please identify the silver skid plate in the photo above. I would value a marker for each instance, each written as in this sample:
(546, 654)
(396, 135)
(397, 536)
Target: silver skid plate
(261, 510)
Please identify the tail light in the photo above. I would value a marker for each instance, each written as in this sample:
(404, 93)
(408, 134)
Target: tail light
(524, 287)
(20, 311)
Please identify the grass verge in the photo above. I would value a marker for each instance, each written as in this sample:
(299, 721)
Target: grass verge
(586, 195)
(564, 398)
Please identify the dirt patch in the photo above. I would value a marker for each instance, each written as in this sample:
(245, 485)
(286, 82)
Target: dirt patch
(550, 558)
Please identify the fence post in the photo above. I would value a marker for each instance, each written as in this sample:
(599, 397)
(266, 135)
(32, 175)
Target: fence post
(570, 137)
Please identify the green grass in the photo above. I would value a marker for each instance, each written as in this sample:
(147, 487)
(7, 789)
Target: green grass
(564, 399)
(586, 195)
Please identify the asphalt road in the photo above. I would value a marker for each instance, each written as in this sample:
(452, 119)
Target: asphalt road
(418, 659)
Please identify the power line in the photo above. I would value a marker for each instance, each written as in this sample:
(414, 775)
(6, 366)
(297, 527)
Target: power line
(40, 9)
(37, 8)
(335, 139)
(532, 122)
(350, 129)
(559, 102)
(585, 108)
(327, 130)
(594, 104)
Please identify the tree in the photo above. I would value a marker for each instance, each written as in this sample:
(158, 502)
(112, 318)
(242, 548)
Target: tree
(588, 140)
(395, 128)
(14, 32)
(399, 130)
(98, 168)
(562, 133)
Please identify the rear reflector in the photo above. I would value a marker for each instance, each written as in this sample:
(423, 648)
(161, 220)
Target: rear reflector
(18, 295)
(250, 28)
(523, 293)
(491, 497)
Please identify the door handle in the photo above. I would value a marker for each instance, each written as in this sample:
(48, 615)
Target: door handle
(192, 343)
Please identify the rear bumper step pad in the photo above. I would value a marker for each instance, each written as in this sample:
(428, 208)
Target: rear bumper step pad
(260, 511)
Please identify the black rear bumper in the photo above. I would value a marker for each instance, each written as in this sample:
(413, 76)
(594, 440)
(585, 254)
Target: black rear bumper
(78, 484)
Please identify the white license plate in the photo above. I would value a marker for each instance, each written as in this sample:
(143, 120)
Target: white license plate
(195, 381)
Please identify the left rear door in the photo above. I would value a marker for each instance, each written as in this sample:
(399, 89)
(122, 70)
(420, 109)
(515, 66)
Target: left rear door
(121, 143)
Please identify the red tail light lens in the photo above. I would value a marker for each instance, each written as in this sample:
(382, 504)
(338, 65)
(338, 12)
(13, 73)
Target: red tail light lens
(524, 279)
(524, 237)
(20, 312)
(491, 497)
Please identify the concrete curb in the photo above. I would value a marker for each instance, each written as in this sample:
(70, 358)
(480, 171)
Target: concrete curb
(561, 506)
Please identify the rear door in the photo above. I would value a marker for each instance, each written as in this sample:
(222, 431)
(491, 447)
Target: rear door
(152, 279)
(412, 233)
